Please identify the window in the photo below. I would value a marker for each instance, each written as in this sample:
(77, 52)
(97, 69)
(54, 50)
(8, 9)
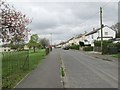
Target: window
(106, 33)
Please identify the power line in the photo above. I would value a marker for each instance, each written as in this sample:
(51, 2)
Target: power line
(95, 13)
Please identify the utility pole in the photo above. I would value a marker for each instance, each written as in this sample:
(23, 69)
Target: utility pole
(101, 30)
(51, 38)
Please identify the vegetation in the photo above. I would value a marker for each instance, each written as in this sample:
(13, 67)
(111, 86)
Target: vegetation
(16, 65)
(88, 48)
(33, 42)
(108, 46)
(76, 47)
(81, 44)
(116, 55)
(14, 24)
(62, 72)
(44, 42)
(35, 58)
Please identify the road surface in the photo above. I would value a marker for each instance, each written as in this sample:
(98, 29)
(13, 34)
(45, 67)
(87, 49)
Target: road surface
(84, 71)
(81, 69)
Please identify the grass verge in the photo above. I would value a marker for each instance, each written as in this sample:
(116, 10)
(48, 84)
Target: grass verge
(116, 55)
(62, 72)
(13, 70)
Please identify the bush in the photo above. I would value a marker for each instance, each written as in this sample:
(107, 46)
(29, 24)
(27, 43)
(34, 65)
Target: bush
(106, 43)
(81, 44)
(76, 47)
(88, 48)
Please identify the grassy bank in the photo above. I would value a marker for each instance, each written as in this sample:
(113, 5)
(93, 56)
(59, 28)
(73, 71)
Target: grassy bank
(116, 55)
(16, 65)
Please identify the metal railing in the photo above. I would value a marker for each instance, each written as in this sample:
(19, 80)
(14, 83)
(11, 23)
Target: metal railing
(13, 63)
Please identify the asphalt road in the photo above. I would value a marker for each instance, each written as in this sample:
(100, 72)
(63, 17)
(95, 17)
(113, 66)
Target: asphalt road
(81, 69)
(84, 71)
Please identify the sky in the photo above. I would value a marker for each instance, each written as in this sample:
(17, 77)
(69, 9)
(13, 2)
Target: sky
(65, 19)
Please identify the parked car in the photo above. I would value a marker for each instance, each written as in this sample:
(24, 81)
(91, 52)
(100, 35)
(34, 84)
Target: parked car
(66, 48)
(117, 40)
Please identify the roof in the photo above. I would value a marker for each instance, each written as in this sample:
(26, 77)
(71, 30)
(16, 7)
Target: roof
(92, 32)
(78, 36)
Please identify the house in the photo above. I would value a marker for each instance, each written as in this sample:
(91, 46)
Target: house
(71, 41)
(108, 33)
(78, 38)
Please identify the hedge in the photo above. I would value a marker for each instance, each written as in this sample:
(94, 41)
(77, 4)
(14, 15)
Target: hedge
(88, 48)
(108, 46)
(76, 47)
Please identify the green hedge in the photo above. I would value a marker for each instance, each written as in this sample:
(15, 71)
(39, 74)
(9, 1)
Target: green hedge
(88, 48)
(105, 43)
(76, 47)
(107, 46)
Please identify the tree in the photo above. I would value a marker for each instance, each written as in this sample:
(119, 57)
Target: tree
(116, 27)
(44, 42)
(33, 42)
(13, 24)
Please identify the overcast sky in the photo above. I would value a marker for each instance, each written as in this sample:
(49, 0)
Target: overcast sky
(66, 19)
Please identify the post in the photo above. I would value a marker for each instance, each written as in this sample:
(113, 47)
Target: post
(101, 30)
(51, 38)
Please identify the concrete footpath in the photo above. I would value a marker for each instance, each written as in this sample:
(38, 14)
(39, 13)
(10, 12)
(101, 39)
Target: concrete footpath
(104, 57)
(46, 75)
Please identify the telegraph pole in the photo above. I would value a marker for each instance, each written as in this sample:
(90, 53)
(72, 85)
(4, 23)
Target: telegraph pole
(101, 30)
(51, 38)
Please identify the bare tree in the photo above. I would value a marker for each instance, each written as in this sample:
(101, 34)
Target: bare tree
(44, 42)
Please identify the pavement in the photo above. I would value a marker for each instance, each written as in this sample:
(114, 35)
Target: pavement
(46, 75)
(98, 55)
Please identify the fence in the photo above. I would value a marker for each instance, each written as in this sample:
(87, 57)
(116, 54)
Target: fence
(14, 64)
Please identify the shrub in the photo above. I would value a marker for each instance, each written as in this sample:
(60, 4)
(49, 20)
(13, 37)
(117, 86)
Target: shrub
(106, 43)
(88, 48)
(76, 47)
(81, 44)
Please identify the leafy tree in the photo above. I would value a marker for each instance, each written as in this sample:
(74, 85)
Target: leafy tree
(33, 43)
(13, 24)
(116, 27)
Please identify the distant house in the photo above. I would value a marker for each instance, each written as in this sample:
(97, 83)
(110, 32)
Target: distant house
(108, 33)
(71, 41)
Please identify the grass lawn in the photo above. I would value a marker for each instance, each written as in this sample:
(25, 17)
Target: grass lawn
(35, 58)
(15, 66)
(116, 55)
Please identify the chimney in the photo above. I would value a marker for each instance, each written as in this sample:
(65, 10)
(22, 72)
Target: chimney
(93, 29)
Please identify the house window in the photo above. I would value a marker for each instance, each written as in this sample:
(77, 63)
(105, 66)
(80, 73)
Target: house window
(106, 33)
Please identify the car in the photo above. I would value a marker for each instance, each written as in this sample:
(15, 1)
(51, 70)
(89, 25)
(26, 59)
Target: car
(117, 40)
(66, 48)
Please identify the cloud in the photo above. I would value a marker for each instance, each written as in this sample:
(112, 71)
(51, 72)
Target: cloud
(66, 19)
